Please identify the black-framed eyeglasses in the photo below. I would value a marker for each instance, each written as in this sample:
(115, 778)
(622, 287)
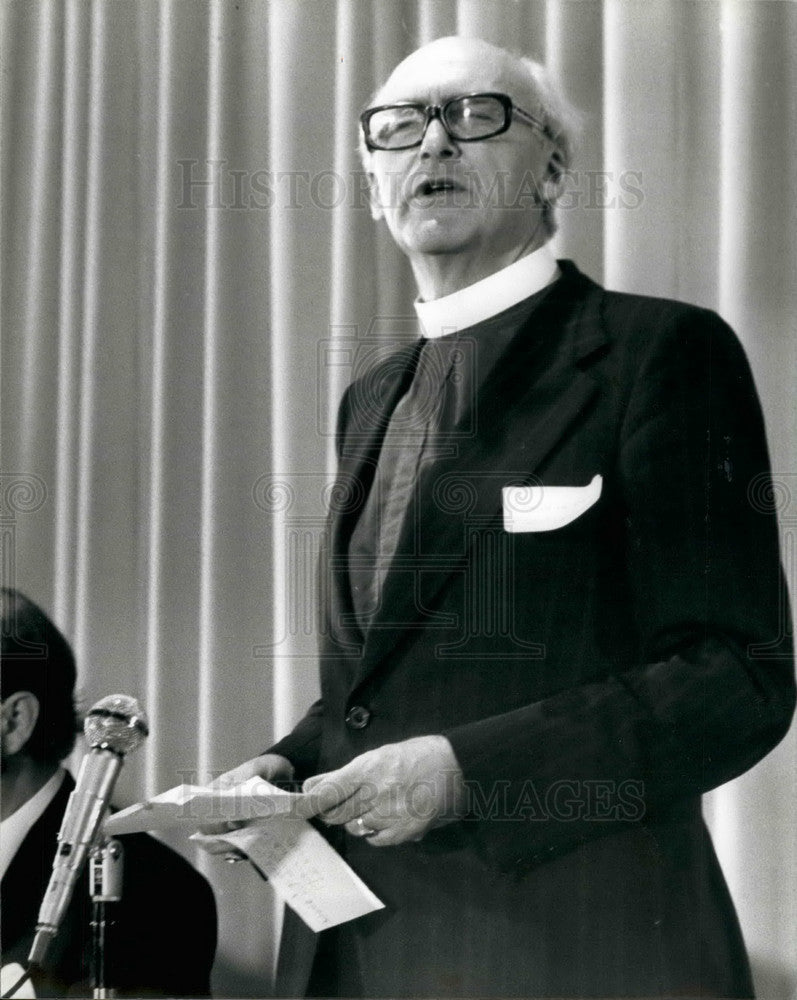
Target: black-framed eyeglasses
(469, 118)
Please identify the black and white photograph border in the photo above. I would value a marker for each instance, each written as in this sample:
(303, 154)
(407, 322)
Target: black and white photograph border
(192, 277)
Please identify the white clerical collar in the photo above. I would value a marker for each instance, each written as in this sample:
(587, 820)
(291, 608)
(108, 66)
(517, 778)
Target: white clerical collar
(490, 296)
(16, 827)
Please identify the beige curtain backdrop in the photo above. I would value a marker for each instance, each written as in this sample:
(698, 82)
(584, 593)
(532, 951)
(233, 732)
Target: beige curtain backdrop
(189, 267)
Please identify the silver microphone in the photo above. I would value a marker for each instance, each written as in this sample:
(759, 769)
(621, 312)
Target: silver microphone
(113, 727)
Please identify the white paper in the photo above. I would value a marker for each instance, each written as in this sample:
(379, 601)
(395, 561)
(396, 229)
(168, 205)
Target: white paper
(194, 805)
(304, 870)
(306, 873)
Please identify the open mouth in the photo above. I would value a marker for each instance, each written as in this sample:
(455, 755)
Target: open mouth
(429, 187)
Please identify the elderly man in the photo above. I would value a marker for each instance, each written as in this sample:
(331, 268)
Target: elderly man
(165, 903)
(553, 611)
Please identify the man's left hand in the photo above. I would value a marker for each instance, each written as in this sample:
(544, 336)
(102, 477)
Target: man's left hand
(393, 794)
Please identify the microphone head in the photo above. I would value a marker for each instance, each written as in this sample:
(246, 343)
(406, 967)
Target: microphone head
(117, 723)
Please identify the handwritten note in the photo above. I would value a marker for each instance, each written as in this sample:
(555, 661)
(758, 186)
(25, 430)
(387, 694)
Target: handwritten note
(304, 870)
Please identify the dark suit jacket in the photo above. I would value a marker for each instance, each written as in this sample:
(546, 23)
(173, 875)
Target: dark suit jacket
(165, 904)
(594, 680)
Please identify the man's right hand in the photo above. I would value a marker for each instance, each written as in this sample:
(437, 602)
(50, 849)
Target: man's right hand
(269, 766)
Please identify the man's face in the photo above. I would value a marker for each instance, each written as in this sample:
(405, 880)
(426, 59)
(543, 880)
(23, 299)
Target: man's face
(449, 197)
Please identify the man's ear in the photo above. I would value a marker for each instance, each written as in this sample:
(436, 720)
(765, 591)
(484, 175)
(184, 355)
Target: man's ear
(20, 712)
(554, 178)
(377, 212)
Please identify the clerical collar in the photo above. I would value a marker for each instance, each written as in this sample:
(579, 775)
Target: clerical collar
(490, 296)
(17, 826)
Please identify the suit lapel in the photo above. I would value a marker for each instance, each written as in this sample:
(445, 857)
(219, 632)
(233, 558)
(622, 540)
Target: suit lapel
(28, 873)
(369, 406)
(532, 398)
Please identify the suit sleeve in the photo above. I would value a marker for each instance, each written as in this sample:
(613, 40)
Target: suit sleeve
(302, 744)
(715, 689)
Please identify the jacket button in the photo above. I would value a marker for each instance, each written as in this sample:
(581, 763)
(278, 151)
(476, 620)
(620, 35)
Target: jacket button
(358, 717)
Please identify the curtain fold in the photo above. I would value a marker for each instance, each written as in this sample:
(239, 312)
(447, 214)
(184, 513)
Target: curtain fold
(192, 276)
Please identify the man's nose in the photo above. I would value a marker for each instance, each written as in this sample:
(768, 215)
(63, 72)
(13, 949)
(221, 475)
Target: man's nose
(437, 142)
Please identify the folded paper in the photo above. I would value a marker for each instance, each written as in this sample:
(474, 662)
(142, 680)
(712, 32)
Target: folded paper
(202, 805)
(305, 872)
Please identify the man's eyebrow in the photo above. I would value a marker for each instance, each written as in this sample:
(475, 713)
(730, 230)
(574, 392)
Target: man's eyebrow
(402, 99)
(427, 100)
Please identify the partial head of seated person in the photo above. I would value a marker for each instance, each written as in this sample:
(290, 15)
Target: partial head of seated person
(144, 956)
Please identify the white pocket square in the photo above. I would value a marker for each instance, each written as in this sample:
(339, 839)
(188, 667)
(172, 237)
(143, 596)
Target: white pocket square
(544, 508)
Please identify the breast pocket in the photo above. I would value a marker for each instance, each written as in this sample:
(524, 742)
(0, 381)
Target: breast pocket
(546, 508)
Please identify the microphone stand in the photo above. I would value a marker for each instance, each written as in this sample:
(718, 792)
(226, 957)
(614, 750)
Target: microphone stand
(106, 865)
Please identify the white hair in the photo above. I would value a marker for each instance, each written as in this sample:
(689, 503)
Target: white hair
(562, 124)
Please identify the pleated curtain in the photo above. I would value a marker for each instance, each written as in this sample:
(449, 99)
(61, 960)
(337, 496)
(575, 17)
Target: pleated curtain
(191, 276)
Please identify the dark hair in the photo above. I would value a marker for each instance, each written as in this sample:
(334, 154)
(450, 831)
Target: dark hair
(37, 658)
